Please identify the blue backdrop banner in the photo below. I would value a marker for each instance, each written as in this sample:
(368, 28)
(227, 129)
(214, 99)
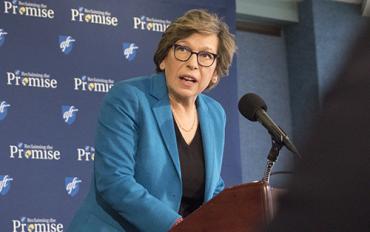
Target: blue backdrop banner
(57, 60)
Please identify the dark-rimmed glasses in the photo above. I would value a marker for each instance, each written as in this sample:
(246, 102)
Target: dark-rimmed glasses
(183, 53)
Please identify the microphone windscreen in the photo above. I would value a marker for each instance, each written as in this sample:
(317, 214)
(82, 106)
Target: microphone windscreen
(249, 104)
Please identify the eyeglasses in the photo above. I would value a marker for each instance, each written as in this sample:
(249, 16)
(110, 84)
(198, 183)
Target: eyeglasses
(183, 53)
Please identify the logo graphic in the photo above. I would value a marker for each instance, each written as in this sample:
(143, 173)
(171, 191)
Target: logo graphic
(33, 152)
(150, 24)
(30, 79)
(5, 184)
(3, 109)
(129, 50)
(93, 84)
(2, 36)
(66, 43)
(93, 16)
(31, 9)
(86, 154)
(37, 225)
(72, 185)
(69, 114)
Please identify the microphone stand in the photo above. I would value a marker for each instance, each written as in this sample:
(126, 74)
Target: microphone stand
(271, 158)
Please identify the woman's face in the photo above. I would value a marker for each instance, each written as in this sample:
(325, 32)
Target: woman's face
(186, 79)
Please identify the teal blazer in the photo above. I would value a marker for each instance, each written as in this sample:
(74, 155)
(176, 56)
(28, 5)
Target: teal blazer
(137, 176)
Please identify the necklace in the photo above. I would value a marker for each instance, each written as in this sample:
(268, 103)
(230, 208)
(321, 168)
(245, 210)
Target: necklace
(179, 124)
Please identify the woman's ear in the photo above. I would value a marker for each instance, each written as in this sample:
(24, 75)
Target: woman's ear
(162, 65)
(214, 79)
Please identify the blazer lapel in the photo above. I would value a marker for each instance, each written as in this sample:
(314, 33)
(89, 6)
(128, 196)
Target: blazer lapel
(162, 112)
(208, 144)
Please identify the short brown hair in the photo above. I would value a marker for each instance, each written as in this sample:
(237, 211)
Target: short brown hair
(204, 22)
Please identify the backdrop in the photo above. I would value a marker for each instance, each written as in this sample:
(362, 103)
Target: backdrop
(57, 60)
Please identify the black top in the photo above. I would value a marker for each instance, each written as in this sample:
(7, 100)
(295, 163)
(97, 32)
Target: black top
(192, 172)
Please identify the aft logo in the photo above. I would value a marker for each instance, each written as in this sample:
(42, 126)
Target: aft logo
(129, 51)
(92, 84)
(37, 225)
(66, 43)
(5, 182)
(84, 15)
(69, 114)
(31, 9)
(150, 24)
(30, 79)
(72, 185)
(33, 152)
(3, 109)
(2, 36)
(86, 154)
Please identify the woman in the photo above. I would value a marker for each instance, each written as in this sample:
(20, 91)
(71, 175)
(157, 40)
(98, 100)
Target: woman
(160, 141)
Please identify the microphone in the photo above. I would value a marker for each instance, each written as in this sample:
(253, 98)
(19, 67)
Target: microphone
(254, 108)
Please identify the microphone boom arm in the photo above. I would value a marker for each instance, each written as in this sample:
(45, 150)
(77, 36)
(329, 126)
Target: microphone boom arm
(271, 158)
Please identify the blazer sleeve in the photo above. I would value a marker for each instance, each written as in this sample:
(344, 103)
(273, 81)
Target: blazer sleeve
(116, 143)
(220, 186)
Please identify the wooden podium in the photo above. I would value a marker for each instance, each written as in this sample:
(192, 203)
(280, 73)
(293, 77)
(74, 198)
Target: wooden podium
(247, 208)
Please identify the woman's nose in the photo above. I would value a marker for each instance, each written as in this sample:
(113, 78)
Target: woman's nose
(192, 63)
